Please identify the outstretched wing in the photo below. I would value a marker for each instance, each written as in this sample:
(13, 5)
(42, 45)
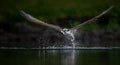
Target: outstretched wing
(93, 19)
(34, 20)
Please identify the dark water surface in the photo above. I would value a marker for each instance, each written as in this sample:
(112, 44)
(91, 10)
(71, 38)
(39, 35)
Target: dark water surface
(59, 57)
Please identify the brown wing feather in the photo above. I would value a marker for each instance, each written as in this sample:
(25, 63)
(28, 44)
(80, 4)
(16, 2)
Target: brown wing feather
(34, 20)
(93, 19)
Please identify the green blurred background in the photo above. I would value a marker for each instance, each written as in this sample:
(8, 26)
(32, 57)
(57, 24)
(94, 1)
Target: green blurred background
(66, 13)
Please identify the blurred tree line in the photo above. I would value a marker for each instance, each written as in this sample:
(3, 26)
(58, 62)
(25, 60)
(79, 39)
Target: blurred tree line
(66, 13)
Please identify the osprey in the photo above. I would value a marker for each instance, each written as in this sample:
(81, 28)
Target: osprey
(69, 33)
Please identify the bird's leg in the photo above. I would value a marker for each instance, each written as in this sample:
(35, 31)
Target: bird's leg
(72, 41)
(73, 45)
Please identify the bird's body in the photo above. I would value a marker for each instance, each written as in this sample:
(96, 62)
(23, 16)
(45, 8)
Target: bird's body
(68, 33)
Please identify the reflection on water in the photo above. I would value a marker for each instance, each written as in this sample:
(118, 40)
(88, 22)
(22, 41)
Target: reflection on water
(68, 58)
(59, 57)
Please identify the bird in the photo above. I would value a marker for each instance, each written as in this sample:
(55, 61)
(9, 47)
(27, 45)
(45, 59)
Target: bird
(68, 33)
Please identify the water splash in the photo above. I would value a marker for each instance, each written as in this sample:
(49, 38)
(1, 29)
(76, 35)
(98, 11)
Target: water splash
(64, 48)
(82, 48)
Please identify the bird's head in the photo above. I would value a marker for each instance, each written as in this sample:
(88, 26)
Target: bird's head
(64, 31)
